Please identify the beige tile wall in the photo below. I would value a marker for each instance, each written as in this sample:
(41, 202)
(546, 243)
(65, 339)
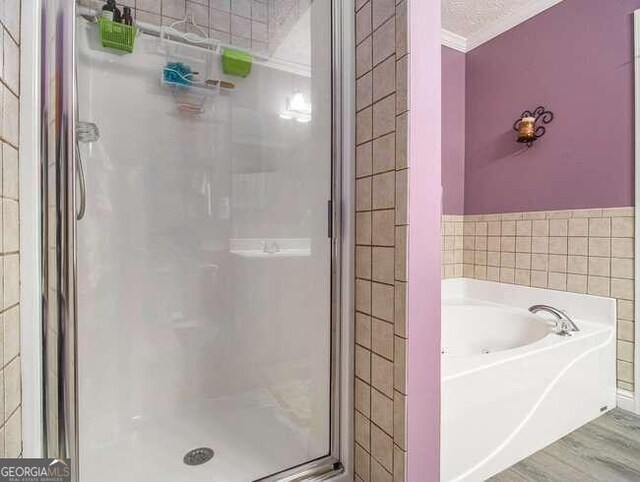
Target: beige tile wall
(10, 374)
(381, 236)
(583, 251)
(452, 246)
(244, 23)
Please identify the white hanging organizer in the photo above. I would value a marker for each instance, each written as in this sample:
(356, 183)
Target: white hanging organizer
(189, 71)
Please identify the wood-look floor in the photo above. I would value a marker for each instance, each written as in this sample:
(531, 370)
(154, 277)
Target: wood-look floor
(605, 450)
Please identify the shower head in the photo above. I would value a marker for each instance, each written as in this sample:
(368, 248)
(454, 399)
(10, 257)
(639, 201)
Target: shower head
(87, 132)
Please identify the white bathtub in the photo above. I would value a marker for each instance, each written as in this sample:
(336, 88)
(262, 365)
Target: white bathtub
(510, 385)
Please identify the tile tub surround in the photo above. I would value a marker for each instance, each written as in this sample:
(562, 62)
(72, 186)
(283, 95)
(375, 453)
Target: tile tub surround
(587, 251)
(381, 240)
(452, 246)
(10, 373)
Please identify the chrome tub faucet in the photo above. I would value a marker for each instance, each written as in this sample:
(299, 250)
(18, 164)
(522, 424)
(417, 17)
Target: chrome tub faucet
(564, 325)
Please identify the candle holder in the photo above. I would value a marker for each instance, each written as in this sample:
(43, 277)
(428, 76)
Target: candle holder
(530, 126)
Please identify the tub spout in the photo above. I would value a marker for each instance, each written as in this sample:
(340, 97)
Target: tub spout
(564, 325)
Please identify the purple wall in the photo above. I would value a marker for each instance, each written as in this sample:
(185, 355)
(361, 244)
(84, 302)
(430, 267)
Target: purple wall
(576, 59)
(453, 130)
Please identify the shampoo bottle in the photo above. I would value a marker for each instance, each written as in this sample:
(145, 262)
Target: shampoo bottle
(108, 10)
(127, 19)
(117, 16)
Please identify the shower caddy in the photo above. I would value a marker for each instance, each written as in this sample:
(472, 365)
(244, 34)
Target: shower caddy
(190, 91)
(188, 72)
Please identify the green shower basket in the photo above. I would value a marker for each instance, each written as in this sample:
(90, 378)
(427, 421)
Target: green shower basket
(117, 35)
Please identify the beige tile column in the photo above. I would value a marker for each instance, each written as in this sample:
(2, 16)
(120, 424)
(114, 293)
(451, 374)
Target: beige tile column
(10, 375)
(381, 235)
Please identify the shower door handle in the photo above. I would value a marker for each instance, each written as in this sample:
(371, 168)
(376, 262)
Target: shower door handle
(330, 219)
(82, 209)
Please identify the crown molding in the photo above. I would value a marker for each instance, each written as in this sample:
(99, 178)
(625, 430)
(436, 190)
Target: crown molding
(493, 29)
(454, 41)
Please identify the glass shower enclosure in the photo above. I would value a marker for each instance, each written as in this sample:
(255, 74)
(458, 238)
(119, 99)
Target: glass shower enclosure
(190, 247)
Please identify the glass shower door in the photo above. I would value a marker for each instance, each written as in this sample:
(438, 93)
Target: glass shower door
(205, 257)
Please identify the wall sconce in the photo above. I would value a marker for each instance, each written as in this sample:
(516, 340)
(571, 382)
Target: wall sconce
(529, 126)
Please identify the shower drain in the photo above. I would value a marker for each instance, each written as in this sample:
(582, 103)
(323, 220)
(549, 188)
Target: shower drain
(198, 456)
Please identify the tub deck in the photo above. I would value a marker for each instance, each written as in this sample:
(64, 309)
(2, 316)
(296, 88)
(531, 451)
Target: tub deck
(454, 366)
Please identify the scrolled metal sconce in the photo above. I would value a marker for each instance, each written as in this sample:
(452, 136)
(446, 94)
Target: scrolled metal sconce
(529, 126)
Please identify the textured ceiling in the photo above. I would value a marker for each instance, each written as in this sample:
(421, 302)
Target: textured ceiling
(467, 17)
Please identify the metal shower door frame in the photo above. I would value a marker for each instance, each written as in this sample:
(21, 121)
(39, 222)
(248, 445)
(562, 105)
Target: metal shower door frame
(58, 229)
(58, 263)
